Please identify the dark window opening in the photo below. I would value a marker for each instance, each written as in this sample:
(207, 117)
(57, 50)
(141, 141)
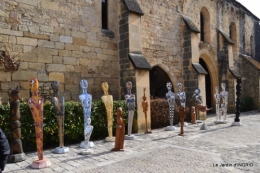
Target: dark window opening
(201, 27)
(158, 81)
(104, 14)
(230, 32)
(208, 85)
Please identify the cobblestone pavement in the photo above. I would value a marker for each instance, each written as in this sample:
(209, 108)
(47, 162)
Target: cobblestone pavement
(222, 148)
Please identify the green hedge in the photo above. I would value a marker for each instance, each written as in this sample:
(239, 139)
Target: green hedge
(247, 104)
(73, 123)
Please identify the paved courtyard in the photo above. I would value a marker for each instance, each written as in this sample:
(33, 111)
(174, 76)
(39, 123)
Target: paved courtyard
(220, 149)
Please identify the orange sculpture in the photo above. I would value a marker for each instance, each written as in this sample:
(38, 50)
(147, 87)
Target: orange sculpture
(120, 132)
(182, 117)
(193, 115)
(36, 107)
(145, 108)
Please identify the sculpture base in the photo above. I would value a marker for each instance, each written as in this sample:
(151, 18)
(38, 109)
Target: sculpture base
(61, 150)
(199, 121)
(220, 122)
(90, 144)
(185, 124)
(148, 132)
(13, 158)
(108, 139)
(170, 128)
(182, 134)
(39, 164)
(86, 151)
(131, 137)
(204, 126)
(117, 149)
(236, 124)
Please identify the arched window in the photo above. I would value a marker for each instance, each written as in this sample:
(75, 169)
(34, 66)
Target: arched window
(233, 36)
(104, 15)
(252, 46)
(205, 25)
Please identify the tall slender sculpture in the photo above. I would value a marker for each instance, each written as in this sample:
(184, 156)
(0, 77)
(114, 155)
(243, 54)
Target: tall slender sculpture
(86, 100)
(108, 101)
(130, 101)
(145, 108)
(16, 147)
(238, 93)
(120, 132)
(182, 97)
(171, 100)
(193, 115)
(224, 97)
(59, 108)
(217, 97)
(36, 106)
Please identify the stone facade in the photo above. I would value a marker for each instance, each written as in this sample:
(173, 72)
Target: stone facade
(65, 41)
(59, 40)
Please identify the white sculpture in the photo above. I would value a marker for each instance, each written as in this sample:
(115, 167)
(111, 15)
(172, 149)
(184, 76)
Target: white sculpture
(171, 100)
(86, 100)
(224, 97)
(130, 101)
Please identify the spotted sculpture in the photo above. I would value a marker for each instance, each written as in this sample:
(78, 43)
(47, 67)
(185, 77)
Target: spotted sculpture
(171, 100)
(36, 107)
(130, 101)
(182, 97)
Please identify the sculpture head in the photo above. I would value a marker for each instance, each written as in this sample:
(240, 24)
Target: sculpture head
(84, 85)
(14, 94)
(197, 91)
(223, 86)
(216, 88)
(33, 84)
(105, 87)
(169, 86)
(88, 121)
(144, 97)
(180, 87)
(129, 87)
(55, 87)
(119, 111)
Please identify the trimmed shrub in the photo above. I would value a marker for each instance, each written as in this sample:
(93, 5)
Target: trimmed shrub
(247, 104)
(73, 123)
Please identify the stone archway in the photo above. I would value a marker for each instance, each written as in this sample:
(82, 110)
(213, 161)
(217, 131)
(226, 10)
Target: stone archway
(158, 80)
(208, 58)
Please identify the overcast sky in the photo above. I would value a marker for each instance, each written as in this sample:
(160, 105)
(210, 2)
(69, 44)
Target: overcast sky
(251, 5)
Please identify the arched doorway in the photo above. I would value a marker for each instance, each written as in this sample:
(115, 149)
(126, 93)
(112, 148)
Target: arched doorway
(158, 80)
(208, 84)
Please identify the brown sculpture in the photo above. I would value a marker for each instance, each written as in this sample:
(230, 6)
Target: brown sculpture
(182, 117)
(120, 132)
(193, 115)
(145, 108)
(36, 106)
(16, 147)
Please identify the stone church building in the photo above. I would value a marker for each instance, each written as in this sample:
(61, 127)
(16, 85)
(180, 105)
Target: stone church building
(199, 43)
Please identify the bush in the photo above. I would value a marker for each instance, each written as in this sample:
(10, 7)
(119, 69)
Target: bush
(247, 104)
(73, 123)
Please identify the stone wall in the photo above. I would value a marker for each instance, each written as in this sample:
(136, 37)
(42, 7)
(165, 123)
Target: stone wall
(59, 40)
(161, 36)
(250, 80)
